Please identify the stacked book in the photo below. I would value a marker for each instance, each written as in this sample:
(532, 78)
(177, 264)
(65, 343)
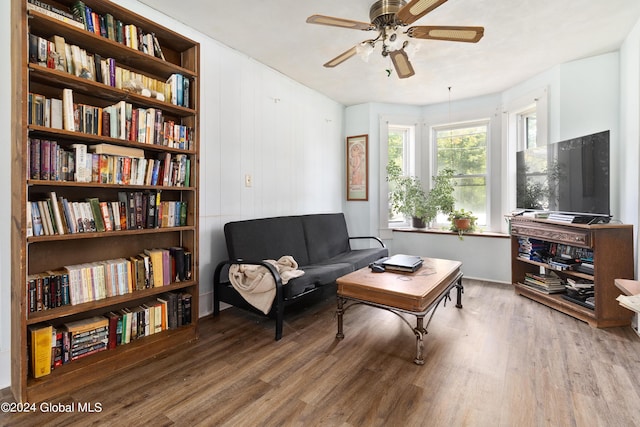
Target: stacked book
(547, 283)
(562, 263)
(585, 266)
(580, 291)
(531, 249)
(85, 337)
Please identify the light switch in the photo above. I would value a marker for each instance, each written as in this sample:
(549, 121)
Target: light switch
(248, 180)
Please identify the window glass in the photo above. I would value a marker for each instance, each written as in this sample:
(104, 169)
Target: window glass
(400, 154)
(464, 149)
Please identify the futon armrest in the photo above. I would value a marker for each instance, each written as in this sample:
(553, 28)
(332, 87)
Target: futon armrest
(221, 266)
(377, 239)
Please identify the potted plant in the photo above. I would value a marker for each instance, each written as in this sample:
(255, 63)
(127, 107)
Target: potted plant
(462, 221)
(408, 198)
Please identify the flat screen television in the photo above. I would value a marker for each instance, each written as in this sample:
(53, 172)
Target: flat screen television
(568, 177)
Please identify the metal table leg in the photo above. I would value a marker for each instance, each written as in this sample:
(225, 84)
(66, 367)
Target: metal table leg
(419, 330)
(340, 312)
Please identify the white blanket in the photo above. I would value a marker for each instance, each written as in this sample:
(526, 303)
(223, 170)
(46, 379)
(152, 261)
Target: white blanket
(256, 284)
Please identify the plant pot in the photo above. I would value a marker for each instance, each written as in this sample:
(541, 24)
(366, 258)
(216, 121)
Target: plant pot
(418, 223)
(462, 223)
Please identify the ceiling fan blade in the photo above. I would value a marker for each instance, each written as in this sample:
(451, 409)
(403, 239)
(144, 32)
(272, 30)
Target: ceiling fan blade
(416, 9)
(455, 34)
(340, 22)
(401, 63)
(341, 58)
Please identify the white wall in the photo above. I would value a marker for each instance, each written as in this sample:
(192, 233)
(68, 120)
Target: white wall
(629, 156)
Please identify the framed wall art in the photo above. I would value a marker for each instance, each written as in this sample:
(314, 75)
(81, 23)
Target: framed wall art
(358, 167)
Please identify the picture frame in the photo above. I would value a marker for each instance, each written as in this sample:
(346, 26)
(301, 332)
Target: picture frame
(357, 168)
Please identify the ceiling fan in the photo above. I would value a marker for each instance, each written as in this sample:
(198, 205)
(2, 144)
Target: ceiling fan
(388, 17)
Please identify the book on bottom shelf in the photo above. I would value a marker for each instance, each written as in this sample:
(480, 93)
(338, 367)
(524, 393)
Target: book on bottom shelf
(40, 343)
(588, 302)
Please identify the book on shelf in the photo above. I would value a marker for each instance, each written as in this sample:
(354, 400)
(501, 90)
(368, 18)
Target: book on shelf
(588, 302)
(40, 344)
(146, 210)
(118, 121)
(54, 12)
(57, 350)
(116, 150)
(545, 282)
(108, 26)
(540, 288)
(86, 336)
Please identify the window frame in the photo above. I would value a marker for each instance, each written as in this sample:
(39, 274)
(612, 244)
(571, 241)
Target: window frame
(385, 226)
(537, 100)
(486, 122)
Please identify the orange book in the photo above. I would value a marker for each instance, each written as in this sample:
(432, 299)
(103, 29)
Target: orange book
(40, 340)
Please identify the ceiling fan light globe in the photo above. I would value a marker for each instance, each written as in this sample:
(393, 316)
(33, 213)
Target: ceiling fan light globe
(364, 50)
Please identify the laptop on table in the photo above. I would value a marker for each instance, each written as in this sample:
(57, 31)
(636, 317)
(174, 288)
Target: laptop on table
(401, 262)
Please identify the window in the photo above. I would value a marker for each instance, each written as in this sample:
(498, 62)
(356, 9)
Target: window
(528, 129)
(401, 146)
(463, 148)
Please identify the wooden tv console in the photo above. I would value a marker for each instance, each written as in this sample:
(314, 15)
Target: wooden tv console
(612, 246)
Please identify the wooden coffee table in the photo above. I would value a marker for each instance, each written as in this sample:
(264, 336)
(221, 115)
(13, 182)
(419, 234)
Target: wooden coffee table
(416, 293)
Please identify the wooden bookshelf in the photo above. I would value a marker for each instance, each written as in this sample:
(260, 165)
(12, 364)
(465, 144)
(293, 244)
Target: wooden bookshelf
(37, 254)
(612, 246)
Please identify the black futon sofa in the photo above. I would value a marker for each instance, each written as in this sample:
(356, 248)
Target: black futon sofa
(319, 243)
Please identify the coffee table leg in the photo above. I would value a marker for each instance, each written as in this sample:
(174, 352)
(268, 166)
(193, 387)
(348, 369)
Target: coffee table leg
(340, 312)
(459, 289)
(419, 331)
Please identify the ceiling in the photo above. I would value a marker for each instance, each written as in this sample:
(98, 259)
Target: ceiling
(522, 38)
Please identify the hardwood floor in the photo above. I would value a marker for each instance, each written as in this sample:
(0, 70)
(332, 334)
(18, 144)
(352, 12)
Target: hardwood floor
(502, 360)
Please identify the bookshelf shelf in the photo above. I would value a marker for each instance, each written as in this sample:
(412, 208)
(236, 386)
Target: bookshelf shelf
(64, 135)
(612, 246)
(70, 310)
(108, 234)
(108, 48)
(46, 183)
(105, 364)
(108, 94)
(565, 272)
(35, 257)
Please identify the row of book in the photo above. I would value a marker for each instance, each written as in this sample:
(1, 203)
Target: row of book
(132, 211)
(55, 53)
(51, 347)
(119, 121)
(55, 12)
(51, 162)
(557, 255)
(568, 251)
(106, 25)
(577, 290)
(80, 283)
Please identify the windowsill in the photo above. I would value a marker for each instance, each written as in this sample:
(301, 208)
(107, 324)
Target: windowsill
(443, 231)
